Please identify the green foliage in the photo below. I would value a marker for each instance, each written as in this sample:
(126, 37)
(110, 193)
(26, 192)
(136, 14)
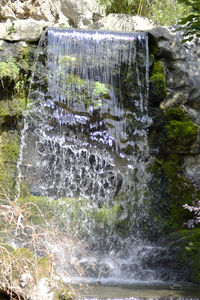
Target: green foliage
(100, 89)
(190, 23)
(11, 29)
(121, 6)
(9, 69)
(165, 12)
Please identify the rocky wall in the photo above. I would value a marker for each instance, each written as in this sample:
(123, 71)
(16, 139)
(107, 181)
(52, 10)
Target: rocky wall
(174, 101)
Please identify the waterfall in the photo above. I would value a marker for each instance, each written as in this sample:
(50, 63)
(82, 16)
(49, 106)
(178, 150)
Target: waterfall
(85, 141)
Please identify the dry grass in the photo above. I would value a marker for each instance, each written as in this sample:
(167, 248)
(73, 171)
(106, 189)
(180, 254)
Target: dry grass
(43, 250)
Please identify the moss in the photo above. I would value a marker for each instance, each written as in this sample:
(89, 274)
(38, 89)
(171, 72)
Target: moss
(157, 202)
(10, 111)
(44, 267)
(26, 58)
(181, 131)
(9, 69)
(75, 79)
(24, 253)
(64, 210)
(157, 84)
(100, 89)
(153, 45)
(9, 152)
(181, 136)
(14, 83)
(108, 215)
(176, 113)
(10, 149)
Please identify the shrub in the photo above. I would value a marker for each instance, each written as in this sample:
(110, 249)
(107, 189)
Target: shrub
(191, 23)
(165, 12)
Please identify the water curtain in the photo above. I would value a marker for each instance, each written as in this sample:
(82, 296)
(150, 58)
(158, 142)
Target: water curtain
(85, 140)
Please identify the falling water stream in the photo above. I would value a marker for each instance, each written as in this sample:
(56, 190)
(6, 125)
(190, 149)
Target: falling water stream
(85, 143)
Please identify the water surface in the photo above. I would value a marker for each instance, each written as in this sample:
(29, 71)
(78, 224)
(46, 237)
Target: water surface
(167, 292)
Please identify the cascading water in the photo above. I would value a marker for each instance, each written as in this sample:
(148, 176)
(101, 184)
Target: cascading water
(85, 141)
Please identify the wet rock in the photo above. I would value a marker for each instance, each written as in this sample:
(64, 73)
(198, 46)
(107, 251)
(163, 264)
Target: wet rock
(191, 167)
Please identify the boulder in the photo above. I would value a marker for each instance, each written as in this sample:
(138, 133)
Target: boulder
(47, 10)
(191, 168)
(122, 22)
(82, 12)
(28, 30)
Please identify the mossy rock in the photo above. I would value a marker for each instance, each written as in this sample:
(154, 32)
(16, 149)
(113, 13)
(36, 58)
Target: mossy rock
(181, 131)
(180, 191)
(177, 113)
(15, 68)
(66, 213)
(113, 218)
(157, 84)
(9, 151)
(157, 136)
(20, 263)
(181, 136)
(9, 69)
(185, 247)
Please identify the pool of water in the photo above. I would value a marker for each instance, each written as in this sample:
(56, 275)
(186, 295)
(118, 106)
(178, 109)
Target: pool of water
(170, 292)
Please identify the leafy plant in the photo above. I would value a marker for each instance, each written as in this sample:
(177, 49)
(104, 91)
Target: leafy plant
(9, 69)
(165, 12)
(122, 6)
(191, 23)
(11, 29)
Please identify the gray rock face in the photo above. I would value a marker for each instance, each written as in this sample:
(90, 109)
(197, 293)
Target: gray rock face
(182, 66)
(28, 30)
(181, 61)
(82, 12)
(192, 167)
(47, 10)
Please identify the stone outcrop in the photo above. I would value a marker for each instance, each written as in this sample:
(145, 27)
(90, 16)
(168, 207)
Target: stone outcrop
(174, 79)
(47, 10)
(82, 13)
(25, 20)
(28, 30)
(181, 63)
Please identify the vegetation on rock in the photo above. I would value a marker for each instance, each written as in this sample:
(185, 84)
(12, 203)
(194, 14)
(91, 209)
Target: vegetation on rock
(164, 12)
(184, 246)
(157, 84)
(40, 246)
